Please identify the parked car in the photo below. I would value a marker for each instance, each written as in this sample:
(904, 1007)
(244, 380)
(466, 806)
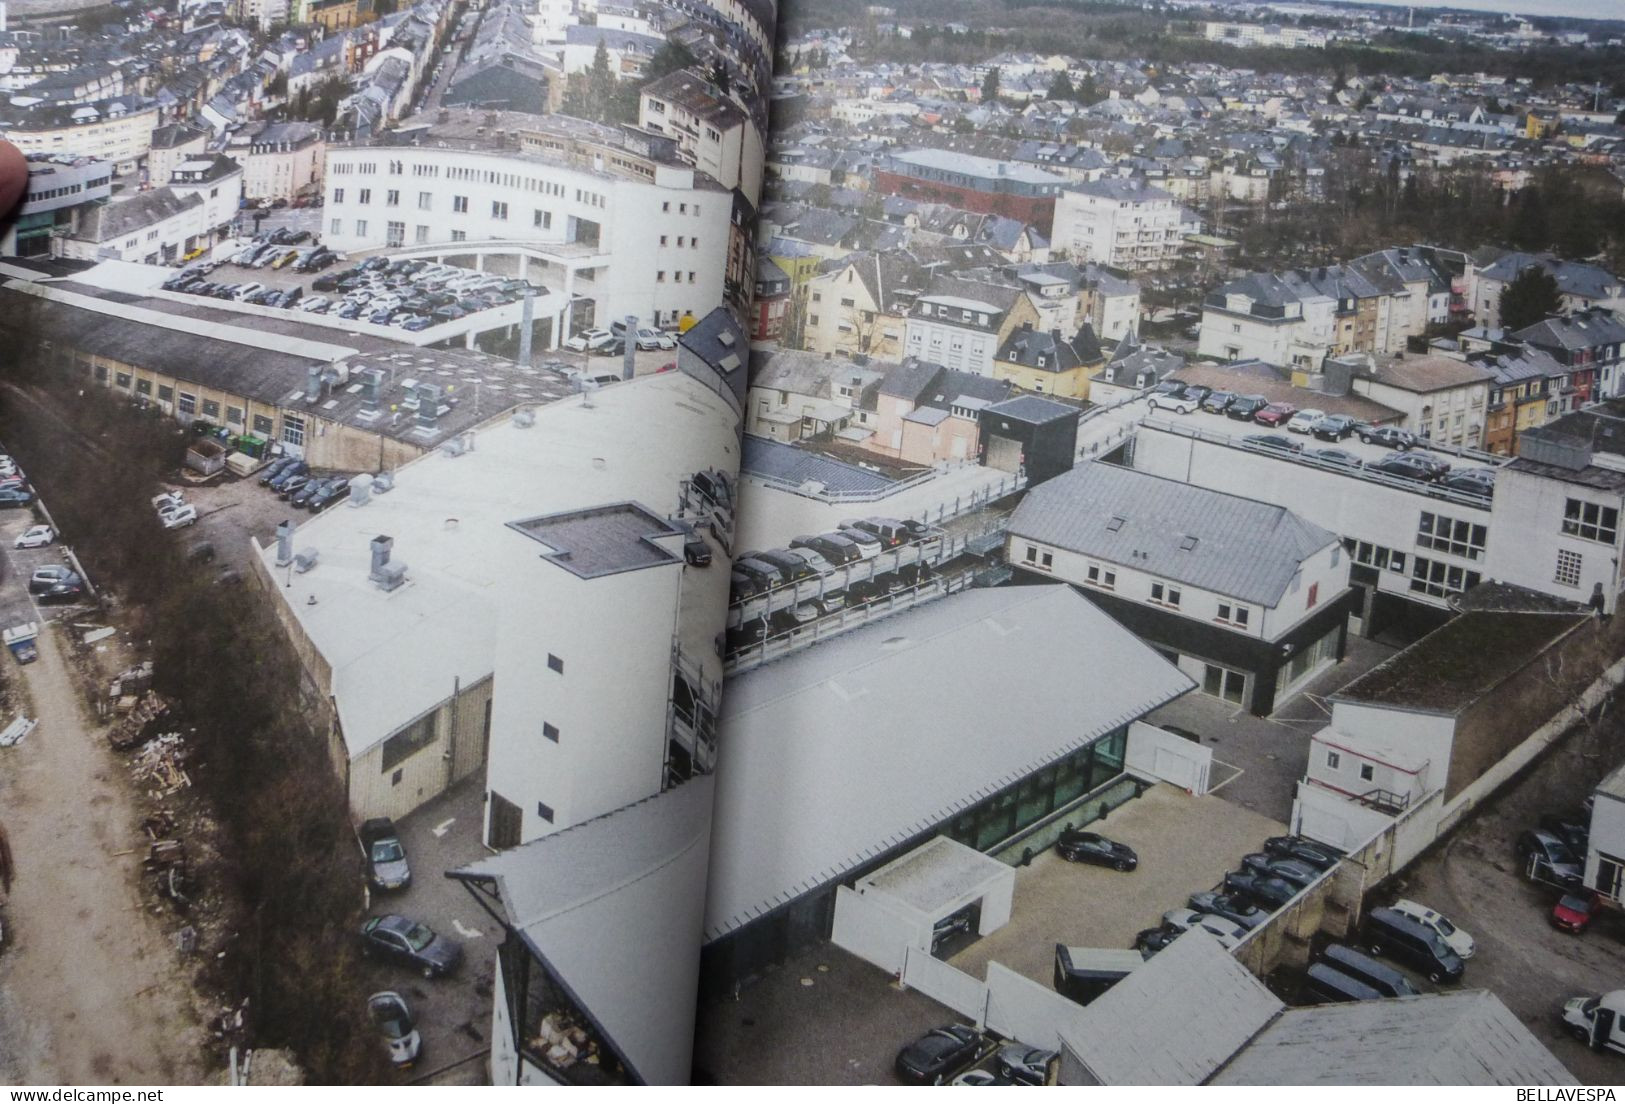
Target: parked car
(1265, 889)
(1225, 930)
(1457, 940)
(1315, 854)
(288, 468)
(300, 498)
(932, 1058)
(1076, 845)
(765, 575)
(287, 488)
(1574, 911)
(1196, 392)
(650, 338)
(813, 560)
(1338, 457)
(981, 1078)
(833, 547)
(1546, 858)
(794, 567)
(1573, 829)
(1304, 420)
(1324, 985)
(1409, 465)
(411, 944)
(1273, 442)
(179, 517)
(1243, 407)
(13, 497)
(1388, 436)
(1398, 936)
(1275, 414)
(1295, 871)
(1379, 975)
(1217, 402)
(1025, 1065)
(55, 581)
(742, 587)
(696, 553)
(1473, 481)
(387, 868)
(36, 536)
(1148, 941)
(1231, 907)
(393, 1021)
(890, 531)
(1179, 404)
(1172, 389)
(869, 545)
(1333, 427)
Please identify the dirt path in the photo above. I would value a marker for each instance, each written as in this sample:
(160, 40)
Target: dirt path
(90, 988)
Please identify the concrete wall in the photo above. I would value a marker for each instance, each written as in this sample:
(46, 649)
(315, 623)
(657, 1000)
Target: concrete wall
(1157, 753)
(946, 984)
(1328, 905)
(458, 750)
(867, 926)
(1020, 1008)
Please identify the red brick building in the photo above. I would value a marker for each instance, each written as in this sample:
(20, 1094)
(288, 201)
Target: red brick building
(971, 183)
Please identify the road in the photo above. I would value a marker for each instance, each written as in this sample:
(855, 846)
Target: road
(90, 991)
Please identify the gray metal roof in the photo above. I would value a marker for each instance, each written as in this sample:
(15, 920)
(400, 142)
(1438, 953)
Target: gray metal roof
(613, 906)
(1462, 1038)
(1245, 549)
(774, 460)
(833, 755)
(1174, 1020)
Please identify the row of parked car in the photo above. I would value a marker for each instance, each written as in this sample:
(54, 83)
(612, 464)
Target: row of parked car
(1418, 466)
(856, 539)
(291, 479)
(1409, 933)
(1553, 854)
(612, 342)
(958, 1054)
(14, 489)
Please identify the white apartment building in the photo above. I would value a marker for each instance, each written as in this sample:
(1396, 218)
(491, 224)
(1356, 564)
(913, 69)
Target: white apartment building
(154, 227)
(217, 180)
(1261, 34)
(1123, 223)
(1444, 399)
(713, 133)
(955, 332)
(283, 161)
(553, 20)
(586, 213)
(1260, 317)
(117, 130)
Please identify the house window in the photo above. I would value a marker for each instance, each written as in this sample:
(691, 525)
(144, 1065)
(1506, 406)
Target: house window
(338, 195)
(392, 198)
(123, 379)
(1450, 535)
(365, 196)
(166, 393)
(143, 387)
(1314, 596)
(551, 731)
(425, 201)
(336, 226)
(395, 233)
(543, 220)
(263, 426)
(1333, 760)
(422, 235)
(554, 663)
(1234, 615)
(1165, 594)
(409, 741)
(459, 204)
(234, 415)
(211, 409)
(1438, 579)
(1590, 521)
(499, 210)
(459, 235)
(545, 812)
(1103, 577)
(187, 404)
(1367, 772)
(1568, 567)
(361, 228)
(1223, 683)
(293, 429)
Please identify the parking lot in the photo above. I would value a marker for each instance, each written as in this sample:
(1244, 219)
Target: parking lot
(1185, 845)
(454, 1012)
(1530, 965)
(16, 604)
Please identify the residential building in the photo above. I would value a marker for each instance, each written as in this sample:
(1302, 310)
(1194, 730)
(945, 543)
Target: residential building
(217, 180)
(972, 183)
(1127, 224)
(118, 130)
(1280, 36)
(1049, 363)
(171, 144)
(1590, 344)
(961, 333)
(1442, 398)
(713, 133)
(284, 161)
(1580, 286)
(1525, 391)
(858, 307)
(1262, 317)
(1133, 367)
(1247, 598)
(925, 413)
(771, 301)
(155, 227)
(794, 395)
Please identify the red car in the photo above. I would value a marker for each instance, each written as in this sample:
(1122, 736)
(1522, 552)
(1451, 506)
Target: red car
(1275, 414)
(1575, 911)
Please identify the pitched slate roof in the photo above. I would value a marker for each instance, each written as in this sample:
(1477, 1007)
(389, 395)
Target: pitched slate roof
(1244, 549)
(1050, 352)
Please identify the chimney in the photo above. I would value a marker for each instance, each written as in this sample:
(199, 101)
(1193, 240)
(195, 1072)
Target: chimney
(428, 405)
(380, 546)
(284, 544)
(313, 384)
(385, 574)
(372, 387)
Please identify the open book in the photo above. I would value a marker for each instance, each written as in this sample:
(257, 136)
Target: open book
(750, 574)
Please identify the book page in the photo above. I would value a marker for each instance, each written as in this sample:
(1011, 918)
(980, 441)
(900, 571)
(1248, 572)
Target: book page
(371, 415)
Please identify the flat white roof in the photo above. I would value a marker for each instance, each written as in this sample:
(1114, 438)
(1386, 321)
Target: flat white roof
(832, 756)
(396, 655)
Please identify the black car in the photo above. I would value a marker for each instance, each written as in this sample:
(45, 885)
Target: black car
(1317, 855)
(1173, 389)
(412, 944)
(1572, 828)
(1338, 457)
(1295, 871)
(1076, 845)
(1266, 890)
(1218, 401)
(742, 586)
(1411, 465)
(794, 567)
(1243, 407)
(332, 491)
(935, 1056)
(55, 582)
(303, 495)
(1546, 858)
(1231, 907)
(287, 488)
(1388, 436)
(294, 470)
(387, 868)
(1273, 442)
(766, 575)
(1197, 393)
(1333, 427)
(275, 468)
(1479, 482)
(835, 548)
(1151, 940)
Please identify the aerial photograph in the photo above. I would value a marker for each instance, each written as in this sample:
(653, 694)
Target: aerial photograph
(811, 542)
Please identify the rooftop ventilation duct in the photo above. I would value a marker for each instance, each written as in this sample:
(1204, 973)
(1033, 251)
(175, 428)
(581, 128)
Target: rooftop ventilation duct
(385, 574)
(305, 560)
(524, 419)
(284, 543)
(360, 491)
(383, 482)
(428, 396)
